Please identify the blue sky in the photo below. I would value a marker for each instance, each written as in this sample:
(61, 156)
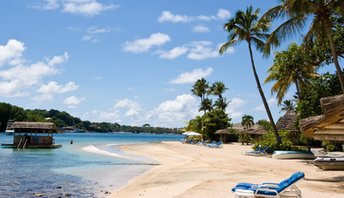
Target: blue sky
(125, 61)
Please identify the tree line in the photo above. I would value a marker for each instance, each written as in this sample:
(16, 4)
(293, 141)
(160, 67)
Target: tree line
(62, 119)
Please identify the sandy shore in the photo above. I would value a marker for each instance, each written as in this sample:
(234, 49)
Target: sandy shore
(195, 171)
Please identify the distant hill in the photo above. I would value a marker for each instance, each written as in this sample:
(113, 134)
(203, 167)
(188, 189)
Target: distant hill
(64, 119)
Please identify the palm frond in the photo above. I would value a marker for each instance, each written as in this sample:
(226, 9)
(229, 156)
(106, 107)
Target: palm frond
(286, 29)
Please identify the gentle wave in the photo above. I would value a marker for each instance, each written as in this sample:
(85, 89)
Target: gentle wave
(93, 149)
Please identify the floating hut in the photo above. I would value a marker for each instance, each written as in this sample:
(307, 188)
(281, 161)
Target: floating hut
(33, 135)
(330, 125)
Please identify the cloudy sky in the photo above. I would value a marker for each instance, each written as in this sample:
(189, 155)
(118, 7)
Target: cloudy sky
(125, 61)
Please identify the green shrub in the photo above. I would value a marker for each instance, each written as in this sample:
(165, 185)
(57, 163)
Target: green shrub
(269, 140)
(245, 138)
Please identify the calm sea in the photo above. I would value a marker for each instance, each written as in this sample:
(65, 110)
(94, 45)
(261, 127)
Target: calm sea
(90, 167)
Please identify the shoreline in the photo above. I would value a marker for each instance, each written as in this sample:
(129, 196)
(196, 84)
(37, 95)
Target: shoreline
(193, 171)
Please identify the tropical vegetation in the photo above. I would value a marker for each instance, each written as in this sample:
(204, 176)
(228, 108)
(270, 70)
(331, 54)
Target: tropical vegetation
(62, 119)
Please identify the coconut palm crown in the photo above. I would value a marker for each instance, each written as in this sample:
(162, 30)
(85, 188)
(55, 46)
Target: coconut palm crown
(297, 13)
(246, 26)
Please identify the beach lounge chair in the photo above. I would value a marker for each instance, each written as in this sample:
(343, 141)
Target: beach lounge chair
(258, 152)
(285, 188)
(215, 144)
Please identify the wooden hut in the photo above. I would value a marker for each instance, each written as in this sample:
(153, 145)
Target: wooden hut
(33, 135)
(330, 125)
(288, 121)
(255, 130)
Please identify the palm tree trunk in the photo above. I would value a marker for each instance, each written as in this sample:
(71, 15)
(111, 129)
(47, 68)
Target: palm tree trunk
(278, 139)
(298, 92)
(334, 54)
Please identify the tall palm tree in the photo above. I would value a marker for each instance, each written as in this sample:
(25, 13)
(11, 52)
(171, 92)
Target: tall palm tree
(290, 67)
(297, 12)
(247, 121)
(200, 88)
(245, 26)
(218, 88)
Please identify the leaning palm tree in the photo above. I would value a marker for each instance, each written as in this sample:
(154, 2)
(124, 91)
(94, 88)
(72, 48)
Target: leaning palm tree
(291, 67)
(200, 88)
(245, 26)
(297, 13)
(247, 121)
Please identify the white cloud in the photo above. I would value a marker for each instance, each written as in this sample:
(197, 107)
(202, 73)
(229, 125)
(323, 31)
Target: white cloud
(145, 44)
(72, 101)
(195, 50)
(131, 107)
(93, 33)
(200, 50)
(234, 106)
(97, 30)
(102, 116)
(200, 28)
(11, 52)
(193, 76)
(80, 7)
(48, 5)
(174, 113)
(168, 16)
(90, 38)
(18, 77)
(173, 53)
(223, 14)
(54, 88)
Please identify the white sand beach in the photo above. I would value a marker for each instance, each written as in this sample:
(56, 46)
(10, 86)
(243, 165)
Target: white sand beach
(194, 171)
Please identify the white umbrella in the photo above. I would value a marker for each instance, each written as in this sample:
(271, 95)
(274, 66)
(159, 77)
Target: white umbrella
(191, 133)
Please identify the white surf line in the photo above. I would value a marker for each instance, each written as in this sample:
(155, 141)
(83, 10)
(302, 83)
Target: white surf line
(93, 149)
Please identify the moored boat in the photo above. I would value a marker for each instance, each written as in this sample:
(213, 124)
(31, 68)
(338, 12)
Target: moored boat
(329, 163)
(293, 155)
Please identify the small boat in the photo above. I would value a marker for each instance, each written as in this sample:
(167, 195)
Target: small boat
(293, 155)
(329, 163)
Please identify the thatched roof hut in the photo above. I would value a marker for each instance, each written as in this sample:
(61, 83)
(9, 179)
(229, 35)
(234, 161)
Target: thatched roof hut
(254, 130)
(34, 127)
(330, 125)
(288, 121)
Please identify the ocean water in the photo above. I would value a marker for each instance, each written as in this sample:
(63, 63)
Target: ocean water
(90, 167)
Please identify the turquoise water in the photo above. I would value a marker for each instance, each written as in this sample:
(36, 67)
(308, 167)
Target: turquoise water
(90, 167)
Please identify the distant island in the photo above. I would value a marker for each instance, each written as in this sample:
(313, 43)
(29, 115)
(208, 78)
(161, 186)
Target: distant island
(63, 119)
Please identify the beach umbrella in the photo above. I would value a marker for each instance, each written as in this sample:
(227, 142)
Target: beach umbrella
(191, 133)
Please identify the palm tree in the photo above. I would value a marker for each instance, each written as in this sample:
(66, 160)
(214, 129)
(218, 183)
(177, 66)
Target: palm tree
(200, 88)
(297, 13)
(288, 105)
(206, 105)
(221, 103)
(245, 26)
(218, 88)
(290, 67)
(247, 121)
